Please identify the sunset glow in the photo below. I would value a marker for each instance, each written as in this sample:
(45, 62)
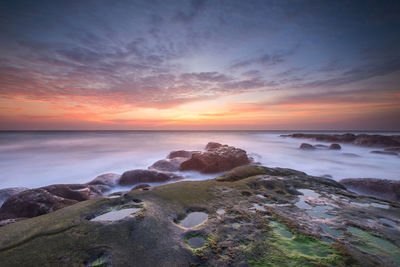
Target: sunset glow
(199, 65)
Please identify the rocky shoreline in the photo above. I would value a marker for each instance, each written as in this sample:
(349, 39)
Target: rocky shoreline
(250, 216)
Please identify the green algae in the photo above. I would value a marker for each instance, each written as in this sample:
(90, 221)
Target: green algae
(241, 172)
(367, 242)
(287, 249)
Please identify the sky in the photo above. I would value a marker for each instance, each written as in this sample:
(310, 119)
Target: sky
(188, 65)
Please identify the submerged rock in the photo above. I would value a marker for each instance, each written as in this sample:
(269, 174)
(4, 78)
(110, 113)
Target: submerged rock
(216, 158)
(382, 188)
(384, 152)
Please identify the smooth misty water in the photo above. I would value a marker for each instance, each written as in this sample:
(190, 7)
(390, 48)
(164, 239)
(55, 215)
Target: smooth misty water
(34, 159)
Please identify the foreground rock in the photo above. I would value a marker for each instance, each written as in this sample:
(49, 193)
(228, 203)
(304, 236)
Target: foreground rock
(360, 139)
(8, 192)
(252, 215)
(216, 158)
(35, 202)
(381, 188)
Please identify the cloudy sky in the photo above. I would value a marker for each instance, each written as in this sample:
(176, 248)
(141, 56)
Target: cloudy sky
(200, 64)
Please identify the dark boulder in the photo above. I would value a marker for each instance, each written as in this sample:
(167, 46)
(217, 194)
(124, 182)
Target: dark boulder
(31, 203)
(105, 182)
(143, 176)
(216, 159)
(381, 188)
(8, 192)
(376, 140)
(321, 146)
(335, 147)
(307, 146)
(38, 201)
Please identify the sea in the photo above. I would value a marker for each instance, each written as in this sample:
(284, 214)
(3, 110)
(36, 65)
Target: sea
(38, 158)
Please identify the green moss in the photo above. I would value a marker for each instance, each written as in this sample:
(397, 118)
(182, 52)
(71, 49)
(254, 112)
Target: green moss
(374, 245)
(241, 172)
(100, 262)
(284, 248)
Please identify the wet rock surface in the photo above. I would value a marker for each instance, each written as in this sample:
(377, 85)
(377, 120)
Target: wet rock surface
(105, 182)
(145, 176)
(8, 192)
(382, 188)
(360, 139)
(261, 217)
(216, 158)
(35, 202)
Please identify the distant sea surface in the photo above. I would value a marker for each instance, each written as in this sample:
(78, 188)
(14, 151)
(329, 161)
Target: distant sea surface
(34, 159)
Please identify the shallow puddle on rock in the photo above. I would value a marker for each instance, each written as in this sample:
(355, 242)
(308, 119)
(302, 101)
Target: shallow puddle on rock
(381, 206)
(374, 245)
(307, 193)
(196, 242)
(372, 204)
(236, 225)
(114, 196)
(329, 229)
(320, 212)
(194, 219)
(116, 215)
(388, 222)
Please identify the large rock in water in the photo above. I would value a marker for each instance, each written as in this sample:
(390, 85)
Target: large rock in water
(360, 139)
(144, 176)
(307, 146)
(216, 158)
(8, 192)
(382, 188)
(168, 165)
(35, 202)
(105, 182)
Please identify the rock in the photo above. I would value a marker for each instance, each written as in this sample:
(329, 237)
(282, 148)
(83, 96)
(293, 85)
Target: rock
(384, 152)
(306, 146)
(216, 159)
(180, 154)
(105, 182)
(335, 147)
(299, 220)
(141, 186)
(31, 203)
(143, 176)
(393, 149)
(241, 172)
(361, 139)
(8, 192)
(212, 146)
(376, 140)
(35, 202)
(169, 165)
(382, 188)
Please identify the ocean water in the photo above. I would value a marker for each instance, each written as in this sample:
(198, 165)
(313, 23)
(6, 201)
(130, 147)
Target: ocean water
(34, 159)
